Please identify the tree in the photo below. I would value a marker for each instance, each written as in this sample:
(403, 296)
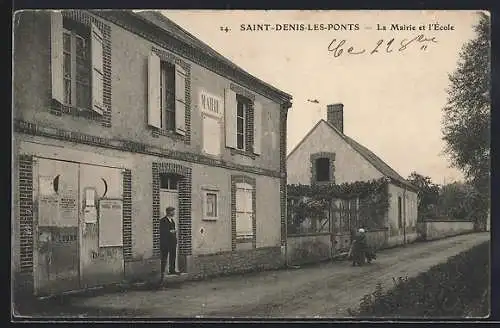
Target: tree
(466, 119)
(428, 194)
(458, 201)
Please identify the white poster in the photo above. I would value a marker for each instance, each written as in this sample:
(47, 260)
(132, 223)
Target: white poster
(110, 222)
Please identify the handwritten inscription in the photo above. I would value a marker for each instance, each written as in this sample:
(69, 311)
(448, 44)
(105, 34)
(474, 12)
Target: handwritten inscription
(341, 47)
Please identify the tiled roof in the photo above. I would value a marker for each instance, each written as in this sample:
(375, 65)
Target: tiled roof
(172, 28)
(373, 159)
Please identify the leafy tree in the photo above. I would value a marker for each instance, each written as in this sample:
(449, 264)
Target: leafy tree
(466, 120)
(428, 194)
(458, 201)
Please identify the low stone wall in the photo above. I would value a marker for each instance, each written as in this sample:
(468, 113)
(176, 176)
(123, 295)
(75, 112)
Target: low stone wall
(309, 248)
(431, 230)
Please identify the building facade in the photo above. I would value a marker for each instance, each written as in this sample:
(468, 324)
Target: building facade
(118, 115)
(327, 155)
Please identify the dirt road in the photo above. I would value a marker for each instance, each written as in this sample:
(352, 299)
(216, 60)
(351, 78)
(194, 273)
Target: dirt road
(325, 290)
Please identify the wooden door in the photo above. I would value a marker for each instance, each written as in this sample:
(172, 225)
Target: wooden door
(55, 251)
(101, 252)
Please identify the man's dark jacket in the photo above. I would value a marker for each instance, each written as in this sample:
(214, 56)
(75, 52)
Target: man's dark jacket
(168, 239)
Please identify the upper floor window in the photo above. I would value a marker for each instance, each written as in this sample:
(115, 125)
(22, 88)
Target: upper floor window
(243, 123)
(242, 107)
(167, 95)
(77, 64)
(322, 169)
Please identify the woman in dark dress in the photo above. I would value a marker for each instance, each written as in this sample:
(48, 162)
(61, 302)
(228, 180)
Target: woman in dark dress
(359, 248)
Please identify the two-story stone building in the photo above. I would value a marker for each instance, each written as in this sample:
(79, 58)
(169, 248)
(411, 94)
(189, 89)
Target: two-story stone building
(119, 114)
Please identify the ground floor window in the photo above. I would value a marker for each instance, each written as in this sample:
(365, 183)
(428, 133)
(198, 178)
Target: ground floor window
(210, 203)
(244, 211)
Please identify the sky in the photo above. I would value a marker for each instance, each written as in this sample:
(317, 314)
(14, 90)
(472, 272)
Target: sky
(392, 100)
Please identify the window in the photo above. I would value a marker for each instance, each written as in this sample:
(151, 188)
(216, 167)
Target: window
(76, 52)
(77, 64)
(400, 212)
(169, 181)
(243, 123)
(322, 169)
(244, 212)
(241, 109)
(166, 95)
(210, 203)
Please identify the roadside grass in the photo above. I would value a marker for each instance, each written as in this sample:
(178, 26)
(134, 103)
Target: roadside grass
(459, 287)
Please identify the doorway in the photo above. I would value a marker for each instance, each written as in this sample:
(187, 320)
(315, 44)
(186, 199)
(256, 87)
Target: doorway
(169, 197)
(77, 225)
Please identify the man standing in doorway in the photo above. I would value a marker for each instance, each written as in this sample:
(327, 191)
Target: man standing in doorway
(168, 242)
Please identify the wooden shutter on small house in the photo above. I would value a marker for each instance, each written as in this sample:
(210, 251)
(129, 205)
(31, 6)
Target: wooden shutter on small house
(97, 70)
(56, 55)
(180, 100)
(230, 107)
(257, 128)
(154, 97)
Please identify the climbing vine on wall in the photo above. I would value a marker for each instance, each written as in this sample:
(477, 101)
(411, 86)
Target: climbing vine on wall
(313, 200)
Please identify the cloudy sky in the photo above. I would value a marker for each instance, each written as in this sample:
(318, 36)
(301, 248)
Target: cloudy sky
(392, 101)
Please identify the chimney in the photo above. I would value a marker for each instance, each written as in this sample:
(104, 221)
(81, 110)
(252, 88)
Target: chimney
(335, 116)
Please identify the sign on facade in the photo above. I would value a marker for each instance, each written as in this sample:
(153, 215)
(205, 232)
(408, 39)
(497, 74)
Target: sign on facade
(110, 222)
(211, 104)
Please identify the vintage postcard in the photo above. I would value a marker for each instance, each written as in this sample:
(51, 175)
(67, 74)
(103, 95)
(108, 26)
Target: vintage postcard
(250, 164)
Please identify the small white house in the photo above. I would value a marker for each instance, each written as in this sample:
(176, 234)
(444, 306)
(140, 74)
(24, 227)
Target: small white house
(326, 155)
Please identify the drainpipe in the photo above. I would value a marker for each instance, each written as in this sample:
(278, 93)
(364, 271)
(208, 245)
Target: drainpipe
(404, 216)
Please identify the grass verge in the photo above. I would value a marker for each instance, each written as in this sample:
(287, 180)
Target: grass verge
(459, 287)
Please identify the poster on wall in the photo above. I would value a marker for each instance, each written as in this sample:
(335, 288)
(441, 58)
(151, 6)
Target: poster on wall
(110, 223)
(48, 201)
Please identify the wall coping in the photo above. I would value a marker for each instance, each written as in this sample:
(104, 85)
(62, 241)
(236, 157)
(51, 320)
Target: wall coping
(455, 220)
(310, 234)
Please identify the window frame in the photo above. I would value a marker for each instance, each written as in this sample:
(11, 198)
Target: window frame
(74, 31)
(206, 190)
(245, 103)
(167, 69)
(327, 165)
(170, 177)
(247, 188)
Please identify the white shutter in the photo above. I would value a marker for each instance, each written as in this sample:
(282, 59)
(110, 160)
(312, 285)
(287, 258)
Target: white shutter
(57, 56)
(154, 100)
(97, 70)
(180, 100)
(257, 128)
(230, 106)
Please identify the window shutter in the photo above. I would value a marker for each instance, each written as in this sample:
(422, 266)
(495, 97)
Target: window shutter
(56, 54)
(154, 97)
(97, 70)
(230, 106)
(257, 128)
(180, 100)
